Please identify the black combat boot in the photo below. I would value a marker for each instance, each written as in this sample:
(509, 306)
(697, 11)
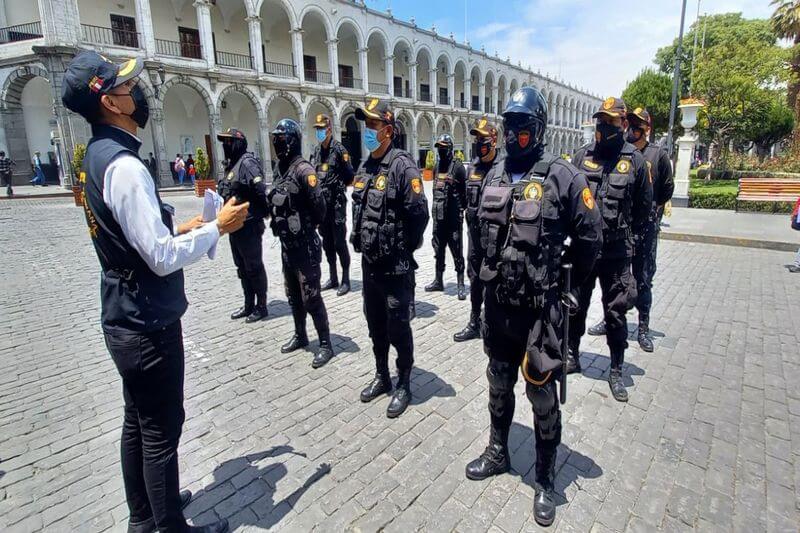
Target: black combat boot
(149, 525)
(462, 290)
(574, 359)
(644, 338)
(249, 301)
(380, 385)
(260, 312)
(298, 340)
(615, 376)
(242, 312)
(324, 354)
(436, 285)
(472, 331)
(402, 395)
(344, 288)
(216, 527)
(598, 329)
(333, 281)
(495, 458)
(544, 503)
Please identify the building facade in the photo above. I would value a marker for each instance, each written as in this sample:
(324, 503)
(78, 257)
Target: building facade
(214, 64)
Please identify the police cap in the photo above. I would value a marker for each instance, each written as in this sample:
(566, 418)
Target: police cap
(89, 76)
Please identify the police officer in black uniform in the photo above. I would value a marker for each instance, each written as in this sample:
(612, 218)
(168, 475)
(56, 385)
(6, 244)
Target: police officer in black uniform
(621, 187)
(335, 174)
(449, 201)
(297, 207)
(390, 214)
(531, 203)
(243, 179)
(484, 150)
(141, 284)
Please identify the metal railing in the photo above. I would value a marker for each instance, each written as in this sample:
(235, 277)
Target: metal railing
(279, 70)
(318, 76)
(350, 83)
(109, 36)
(379, 88)
(462, 103)
(398, 92)
(424, 96)
(176, 49)
(231, 59)
(21, 32)
(444, 99)
(475, 106)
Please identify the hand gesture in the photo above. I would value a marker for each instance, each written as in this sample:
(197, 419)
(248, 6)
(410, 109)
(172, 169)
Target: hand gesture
(231, 217)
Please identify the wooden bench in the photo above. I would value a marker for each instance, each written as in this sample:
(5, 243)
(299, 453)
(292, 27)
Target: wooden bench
(767, 190)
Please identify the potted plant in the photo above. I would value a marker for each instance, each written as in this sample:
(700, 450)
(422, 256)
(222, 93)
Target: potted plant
(430, 161)
(78, 176)
(459, 155)
(202, 180)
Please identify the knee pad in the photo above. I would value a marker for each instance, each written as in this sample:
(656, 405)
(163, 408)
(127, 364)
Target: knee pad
(502, 376)
(542, 397)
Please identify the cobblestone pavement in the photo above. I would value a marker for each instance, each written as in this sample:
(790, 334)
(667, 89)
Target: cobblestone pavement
(709, 441)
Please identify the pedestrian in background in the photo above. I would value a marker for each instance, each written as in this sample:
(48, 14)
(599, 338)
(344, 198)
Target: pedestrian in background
(36, 162)
(6, 164)
(180, 168)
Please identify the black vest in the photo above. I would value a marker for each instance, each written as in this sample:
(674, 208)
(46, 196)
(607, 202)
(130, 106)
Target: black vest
(475, 182)
(291, 216)
(445, 194)
(133, 297)
(611, 184)
(523, 237)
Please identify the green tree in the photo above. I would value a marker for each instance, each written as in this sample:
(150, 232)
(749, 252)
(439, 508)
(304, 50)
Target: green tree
(774, 125)
(651, 90)
(201, 163)
(786, 24)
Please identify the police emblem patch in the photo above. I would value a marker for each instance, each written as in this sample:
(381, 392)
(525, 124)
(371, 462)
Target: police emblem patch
(230, 176)
(359, 185)
(608, 103)
(475, 177)
(588, 199)
(638, 111)
(591, 165)
(416, 185)
(324, 167)
(257, 179)
(380, 183)
(312, 180)
(532, 191)
(623, 167)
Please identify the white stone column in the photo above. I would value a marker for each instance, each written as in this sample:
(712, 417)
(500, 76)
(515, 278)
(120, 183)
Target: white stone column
(215, 125)
(434, 85)
(451, 89)
(333, 60)
(482, 97)
(680, 197)
(389, 62)
(363, 67)
(412, 72)
(495, 97)
(160, 147)
(297, 53)
(468, 93)
(266, 147)
(144, 23)
(254, 27)
(60, 21)
(203, 8)
(506, 97)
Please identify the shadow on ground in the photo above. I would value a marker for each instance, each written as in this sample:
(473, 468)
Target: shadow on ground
(425, 385)
(425, 309)
(595, 366)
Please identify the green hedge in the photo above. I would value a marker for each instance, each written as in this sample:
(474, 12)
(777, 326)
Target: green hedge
(721, 194)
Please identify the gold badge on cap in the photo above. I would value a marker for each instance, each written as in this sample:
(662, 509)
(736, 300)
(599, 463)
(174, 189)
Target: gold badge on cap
(482, 123)
(623, 167)
(638, 111)
(532, 191)
(609, 102)
(372, 104)
(319, 118)
(346, 157)
(380, 183)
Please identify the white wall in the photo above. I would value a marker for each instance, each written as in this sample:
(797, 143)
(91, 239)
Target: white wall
(375, 61)
(314, 42)
(347, 50)
(237, 36)
(240, 114)
(96, 12)
(275, 33)
(164, 24)
(37, 110)
(21, 11)
(185, 114)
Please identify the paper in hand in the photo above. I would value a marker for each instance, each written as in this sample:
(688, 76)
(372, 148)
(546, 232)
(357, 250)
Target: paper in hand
(212, 203)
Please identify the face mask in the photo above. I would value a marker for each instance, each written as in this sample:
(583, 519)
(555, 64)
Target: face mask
(519, 143)
(234, 149)
(321, 134)
(634, 135)
(142, 111)
(608, 134)
(444, 154)
(371, 139)
(281, 146)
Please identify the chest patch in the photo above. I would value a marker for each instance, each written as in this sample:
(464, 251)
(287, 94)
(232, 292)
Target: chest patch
(475, 177)
(416, 185)
(623, 167)
(532, 191)
(230, 176)
(359, 185)
(380, 183)
(591, 165)
(324, 167)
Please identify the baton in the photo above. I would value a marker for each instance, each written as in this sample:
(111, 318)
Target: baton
(568, 303)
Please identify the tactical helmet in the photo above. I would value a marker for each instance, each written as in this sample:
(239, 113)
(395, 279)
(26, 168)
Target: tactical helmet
(526, 111)
(286, 138)
(445, 142)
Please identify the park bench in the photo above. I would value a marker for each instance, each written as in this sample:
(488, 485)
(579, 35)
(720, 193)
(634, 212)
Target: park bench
(767, 190)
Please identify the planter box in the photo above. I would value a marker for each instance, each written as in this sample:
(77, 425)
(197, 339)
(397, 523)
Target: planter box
(77, 195)
(200, 186)
(427, 174)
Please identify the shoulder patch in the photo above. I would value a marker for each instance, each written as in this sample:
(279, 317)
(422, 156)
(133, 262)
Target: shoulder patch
(312, 180)
(588, 199)
(346, 156)
(475, 177)
(257, 179)
(416, 185)
(359, 184)
(324, 167)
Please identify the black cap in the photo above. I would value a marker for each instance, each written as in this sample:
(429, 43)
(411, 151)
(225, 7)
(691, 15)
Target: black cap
(376, 109)
(90, 75)
(613, 107)
(231, 133)
(639, 114)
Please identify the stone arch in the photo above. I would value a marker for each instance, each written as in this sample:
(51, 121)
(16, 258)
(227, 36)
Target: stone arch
(422, 47)
(406, 131)
(382, 35)
(324, 102)
(448, 60)
(326, 21)
(347, 21)
(241, 89)
(181, 79)
(15, 82)
(401, 39)
(287, 7)
(440, 119)
(288, 97)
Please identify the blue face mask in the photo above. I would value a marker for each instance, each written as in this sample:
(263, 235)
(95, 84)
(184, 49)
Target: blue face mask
(321, 134)
(371, 139)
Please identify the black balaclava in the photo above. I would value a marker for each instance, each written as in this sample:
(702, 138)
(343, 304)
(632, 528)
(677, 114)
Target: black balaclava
(608, 140)
(523, 142)
(234, 149)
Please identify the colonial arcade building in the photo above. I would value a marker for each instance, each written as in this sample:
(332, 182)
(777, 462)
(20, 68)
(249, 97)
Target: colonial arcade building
(212, 64)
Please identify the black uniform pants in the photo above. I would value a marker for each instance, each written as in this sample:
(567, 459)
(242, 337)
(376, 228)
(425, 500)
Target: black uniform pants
(6, 178)
(644, 268)
(305, 297)
(246, 248)
(447, 230)
(151, 365)
(334, 234)
(508, 335)
(474, 259)
(616, 285)
(387, 308)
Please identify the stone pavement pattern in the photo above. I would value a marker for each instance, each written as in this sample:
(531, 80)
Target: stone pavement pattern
(709, 441)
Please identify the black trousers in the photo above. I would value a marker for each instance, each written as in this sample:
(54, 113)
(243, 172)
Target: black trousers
(515, 339)
(616, 285)
(387, 308)
(644, 268)
(305, 297)
(474, 259)
(334, 235)
(152, 366)
(447, 230)
(6, 179)
(246, 247)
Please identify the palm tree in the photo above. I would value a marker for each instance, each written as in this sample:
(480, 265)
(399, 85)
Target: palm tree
(786, 24)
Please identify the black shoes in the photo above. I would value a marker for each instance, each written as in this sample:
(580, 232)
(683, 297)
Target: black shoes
(436, 285)
(344, 288)
(574, 360)
(401, 397)
(492, 462)
(645, 341)
(324, 354)
(544, 505)
(472, 331)
(259, 313)
(598, 329)
(216, 527)
(616, 385)
(462, 291)
(380, 385)
(295, 343)
(149, 525)
(332, 283)
(242, 312)
(792, 268)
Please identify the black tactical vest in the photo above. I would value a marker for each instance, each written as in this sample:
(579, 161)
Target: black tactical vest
(523, 236)
(133, 297)
(612, 187)
(445, 195)
(291, 219)
(474, 188)
(377, 230)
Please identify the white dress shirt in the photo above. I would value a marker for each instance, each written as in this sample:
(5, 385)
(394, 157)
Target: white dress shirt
(130, 194)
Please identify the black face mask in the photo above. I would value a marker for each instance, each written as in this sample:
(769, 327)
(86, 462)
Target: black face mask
(284, 147)
(445, 155)
(233, 150)
(634, 135)
(611, 140)
(141, 114)
(481, 148)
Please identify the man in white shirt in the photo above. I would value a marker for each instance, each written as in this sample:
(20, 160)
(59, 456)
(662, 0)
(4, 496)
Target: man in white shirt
(142, 295)
(180, 168)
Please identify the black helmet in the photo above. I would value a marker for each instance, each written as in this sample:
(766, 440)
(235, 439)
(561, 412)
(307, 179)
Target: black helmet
(445, 145)
(286, 138)
(526, 111)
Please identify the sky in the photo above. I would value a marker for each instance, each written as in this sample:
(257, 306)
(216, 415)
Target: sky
(597, 45)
